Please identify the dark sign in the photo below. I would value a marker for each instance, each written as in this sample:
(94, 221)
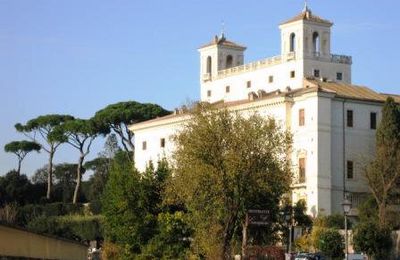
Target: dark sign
(258, 217)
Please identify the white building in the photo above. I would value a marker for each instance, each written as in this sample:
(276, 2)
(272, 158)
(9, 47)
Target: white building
(308, 90)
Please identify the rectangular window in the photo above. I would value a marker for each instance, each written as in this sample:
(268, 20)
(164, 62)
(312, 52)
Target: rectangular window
(373, 120)
(227, 89)
(339, 76)
(302, 170)
(292, 74)
(162, 142)
(270, 79)
(208, 93)
(349, 118)
(144, 145)
(350, 170)
(301, 117)
(249, 84)
(316, 73)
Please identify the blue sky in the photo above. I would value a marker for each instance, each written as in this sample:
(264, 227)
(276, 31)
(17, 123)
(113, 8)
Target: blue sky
(75, 57)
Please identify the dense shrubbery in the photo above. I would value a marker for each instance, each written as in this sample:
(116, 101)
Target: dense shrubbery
(29, 212)
(331, 243)
(80, 228)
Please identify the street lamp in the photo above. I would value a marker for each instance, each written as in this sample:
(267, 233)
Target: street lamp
(288, 218)
(346, 209)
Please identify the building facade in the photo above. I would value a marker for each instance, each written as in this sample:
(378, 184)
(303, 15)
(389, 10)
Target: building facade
(308, 90)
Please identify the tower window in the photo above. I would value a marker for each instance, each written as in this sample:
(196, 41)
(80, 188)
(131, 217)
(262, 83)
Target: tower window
(292, 74)
(301, 117)
(248, 84)
(292, 42)
(229, 61)
(316, 73)
(316, 44)
(209, 64)
(373, 120)
(350, 170)
(339, 76)
(350, 118)
(208, 93)
(162, 142)
(227, 89)
(144, 145)
(271, 79)
(302, 170)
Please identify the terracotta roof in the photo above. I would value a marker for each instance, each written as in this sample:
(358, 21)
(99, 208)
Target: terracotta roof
(222, 41)
(307, 15)
(351, 91)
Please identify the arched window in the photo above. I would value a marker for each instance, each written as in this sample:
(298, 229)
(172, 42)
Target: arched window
(229, 61)
(292, 42)
(209, 64)
(316, 44)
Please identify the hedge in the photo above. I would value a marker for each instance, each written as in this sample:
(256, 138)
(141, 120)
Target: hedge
(76, 227)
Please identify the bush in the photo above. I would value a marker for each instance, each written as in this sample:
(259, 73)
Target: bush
(95, 207)
(372, 240)
(29, 212)
(331, 243)
(80, 228)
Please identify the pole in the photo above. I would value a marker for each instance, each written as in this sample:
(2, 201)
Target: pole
(290, 236)
(244, 236)
(345, 236)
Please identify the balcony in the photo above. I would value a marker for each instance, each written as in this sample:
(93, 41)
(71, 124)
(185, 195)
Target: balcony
(335, 58)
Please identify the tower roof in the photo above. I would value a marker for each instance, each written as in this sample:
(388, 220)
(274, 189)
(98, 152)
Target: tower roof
(222, 41)
(307, 15)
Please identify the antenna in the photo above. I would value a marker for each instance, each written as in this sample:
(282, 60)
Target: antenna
(222, 29)
(305, 6)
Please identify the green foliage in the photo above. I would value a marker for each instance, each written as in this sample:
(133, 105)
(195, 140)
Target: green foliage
(383, 173)
(19, 147)
(172, 239)
(335, 221)
(331, 243)
(15, 187)
(117, 117)
(30, 212)
(225, 165)
(80, 228)
(373, 240)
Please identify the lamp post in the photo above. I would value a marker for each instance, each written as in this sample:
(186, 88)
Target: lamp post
(288, 218)
(346, 209)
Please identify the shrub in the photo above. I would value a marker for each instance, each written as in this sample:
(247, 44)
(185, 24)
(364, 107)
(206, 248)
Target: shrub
(80, 228)
(331, 243)
(372, 240)
(95, 207)
(29, 212)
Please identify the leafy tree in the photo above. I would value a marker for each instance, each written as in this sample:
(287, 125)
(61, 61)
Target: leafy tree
(331, 243)
(15, 187)
(227, 164)
(42, 128)
(117, 117)
(21, 149)
(79, 134)
(383, 173)
(372, 239)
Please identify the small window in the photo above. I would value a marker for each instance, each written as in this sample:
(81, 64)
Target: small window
(292, 74)
(349, 118)
(270, 79)
(208, 93)
(339, 76)
(249, 84)
(373, 120)
(316, 73)
(350, 170)
(162, 142)
(144, 145)
(227, 89)
(302, 170)
(301, 117)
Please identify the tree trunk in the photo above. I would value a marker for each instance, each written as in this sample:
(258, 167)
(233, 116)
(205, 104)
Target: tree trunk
(382, 214)
(228, 234)
(78, 178)
(50, 173)
(19, 167)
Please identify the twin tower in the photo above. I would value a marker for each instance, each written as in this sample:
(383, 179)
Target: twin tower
(305, 51)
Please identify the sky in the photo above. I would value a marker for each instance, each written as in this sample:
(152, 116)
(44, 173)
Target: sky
(76, 57)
